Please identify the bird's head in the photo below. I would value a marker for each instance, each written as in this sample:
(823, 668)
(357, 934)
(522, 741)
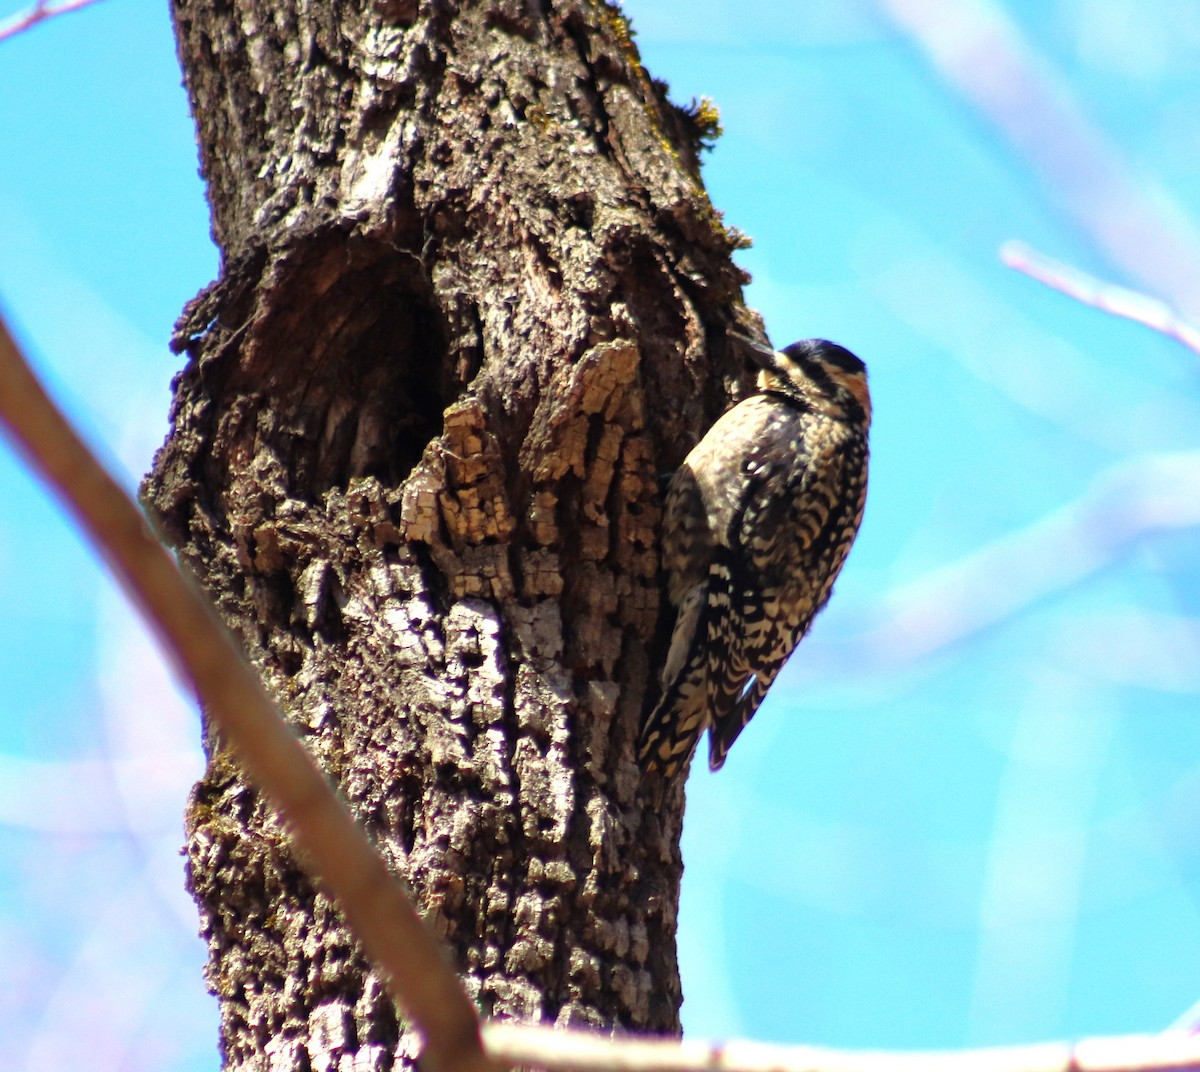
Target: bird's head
(823, 374)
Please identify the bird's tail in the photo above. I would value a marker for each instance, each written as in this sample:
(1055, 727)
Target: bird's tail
(726, 730)
(671, 730)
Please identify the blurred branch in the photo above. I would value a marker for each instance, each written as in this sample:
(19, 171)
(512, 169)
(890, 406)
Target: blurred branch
(77, 796)
(1124, 504)
(981, 55)
(372, 900)
(580, 1051)
(39, 12)
(1107, 297)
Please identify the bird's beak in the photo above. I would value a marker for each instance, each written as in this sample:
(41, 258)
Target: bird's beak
(761, 353)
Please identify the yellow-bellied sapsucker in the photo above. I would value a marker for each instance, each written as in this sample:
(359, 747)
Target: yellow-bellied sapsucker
(759, 519)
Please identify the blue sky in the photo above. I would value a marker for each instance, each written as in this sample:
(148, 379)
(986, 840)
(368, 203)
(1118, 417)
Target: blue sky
(966, 813)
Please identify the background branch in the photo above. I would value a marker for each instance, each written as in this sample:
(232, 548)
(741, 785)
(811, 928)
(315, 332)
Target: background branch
(39, 12)
(1107, 297)
(982, 54)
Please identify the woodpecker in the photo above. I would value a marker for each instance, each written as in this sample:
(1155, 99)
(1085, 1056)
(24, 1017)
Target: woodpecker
(758, 521)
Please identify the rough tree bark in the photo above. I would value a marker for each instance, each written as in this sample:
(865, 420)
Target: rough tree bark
(473, 301)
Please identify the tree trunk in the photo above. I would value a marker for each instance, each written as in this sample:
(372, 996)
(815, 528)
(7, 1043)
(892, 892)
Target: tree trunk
(473, 301)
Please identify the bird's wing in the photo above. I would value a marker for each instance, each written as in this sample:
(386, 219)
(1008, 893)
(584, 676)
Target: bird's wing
(671, 730)
(776, 593)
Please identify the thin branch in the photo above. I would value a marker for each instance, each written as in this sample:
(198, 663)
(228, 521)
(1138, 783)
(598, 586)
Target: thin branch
(557, 1050)
(39, 12)
(1107, 297)
(372, 900)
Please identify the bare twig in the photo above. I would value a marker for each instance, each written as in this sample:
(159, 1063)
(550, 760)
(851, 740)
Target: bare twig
(39, 12)
(1107, 297)
(372, 901)
(580, 1051)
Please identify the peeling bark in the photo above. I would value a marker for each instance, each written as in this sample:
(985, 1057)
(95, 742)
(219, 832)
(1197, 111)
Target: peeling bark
(473, 301)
